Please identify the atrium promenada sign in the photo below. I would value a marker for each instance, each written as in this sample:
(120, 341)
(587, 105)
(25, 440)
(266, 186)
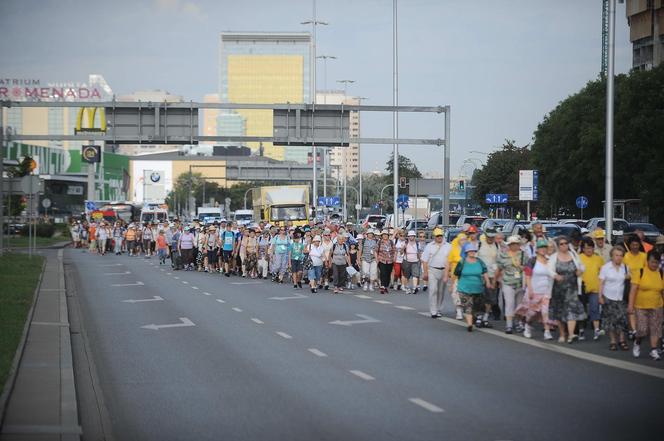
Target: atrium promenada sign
(26, 89)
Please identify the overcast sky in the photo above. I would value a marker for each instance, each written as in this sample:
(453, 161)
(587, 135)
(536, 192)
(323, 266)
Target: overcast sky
(501, 65)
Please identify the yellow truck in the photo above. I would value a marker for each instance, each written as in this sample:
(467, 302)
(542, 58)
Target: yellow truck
(276, 205)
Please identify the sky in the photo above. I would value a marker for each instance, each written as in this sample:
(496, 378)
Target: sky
(500, 65)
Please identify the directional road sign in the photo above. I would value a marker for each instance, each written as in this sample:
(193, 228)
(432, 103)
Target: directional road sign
(582, 202)
(492, 198)
(402, 201)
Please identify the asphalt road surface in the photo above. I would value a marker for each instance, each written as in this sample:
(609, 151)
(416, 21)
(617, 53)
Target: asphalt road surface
(194, 356)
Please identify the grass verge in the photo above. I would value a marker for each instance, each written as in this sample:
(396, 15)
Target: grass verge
(22, 241)
(19, 275)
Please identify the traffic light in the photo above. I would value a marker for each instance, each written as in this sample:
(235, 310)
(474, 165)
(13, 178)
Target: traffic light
(462, 185)
(402, 182)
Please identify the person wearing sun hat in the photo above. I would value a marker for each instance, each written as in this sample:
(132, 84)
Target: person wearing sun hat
(368, 260)
(435, 258)
(511, 263)
(386, 254)
(317, 255)
(472, 277)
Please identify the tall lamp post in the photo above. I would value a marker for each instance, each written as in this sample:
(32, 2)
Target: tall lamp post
(359, 148)
(345, 149)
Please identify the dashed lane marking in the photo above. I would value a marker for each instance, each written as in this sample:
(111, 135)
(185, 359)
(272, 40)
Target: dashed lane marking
(405, 308)
(284, 335)
(362, 296)
(208, 294)
(362, 375)
(185, 282)
(426, 405)
(219, 300)
(257, 321)
(176, 277)
(194, 287)
(237, 310)
(383, 302)
(317, 352)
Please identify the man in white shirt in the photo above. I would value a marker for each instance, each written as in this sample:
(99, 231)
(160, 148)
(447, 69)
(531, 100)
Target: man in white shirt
(434, 259)
(488, 253)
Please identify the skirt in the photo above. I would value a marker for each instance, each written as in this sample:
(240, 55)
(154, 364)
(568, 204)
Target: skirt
(614, 315)
(531, 309)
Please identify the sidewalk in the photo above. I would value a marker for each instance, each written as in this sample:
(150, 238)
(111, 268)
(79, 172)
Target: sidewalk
(42, 405)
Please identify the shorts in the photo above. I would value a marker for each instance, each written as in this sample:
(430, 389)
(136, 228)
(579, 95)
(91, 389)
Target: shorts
(226, 256)
(316, 273)
(212, 256)
(471, 303)
(649, 322)
(397, 270)
(131, 244)
(296, 266)
(593, 306)
(490, 296)
(410, 269)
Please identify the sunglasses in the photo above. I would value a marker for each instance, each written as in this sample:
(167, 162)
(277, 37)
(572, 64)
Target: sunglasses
(563, 243)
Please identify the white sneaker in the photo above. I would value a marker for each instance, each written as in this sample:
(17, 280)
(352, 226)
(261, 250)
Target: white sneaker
(371, 288)
(636, 350)
(527, 333)
(547, 335)
(654, 354)
(459, 314)
(365, 287)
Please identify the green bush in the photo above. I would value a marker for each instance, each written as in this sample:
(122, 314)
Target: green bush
(43, 230)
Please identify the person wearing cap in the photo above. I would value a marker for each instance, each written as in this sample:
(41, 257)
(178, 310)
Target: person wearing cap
(327, 244)
(279, 250)
(75, 231)
(118, 237)
(472, 277)
(566, 308)
(263, 244)
(368, 260)
(453, 260)
(398, 281)
(435, 257)
(211, 244)
(296, 259)
(386, 255)
(539, 284)
(316, 255)
(488, 252)
(102, 237)
(186, 244)
(410, 266)
(340, 261)
(601, 248)
(511, 264)
(130, 239)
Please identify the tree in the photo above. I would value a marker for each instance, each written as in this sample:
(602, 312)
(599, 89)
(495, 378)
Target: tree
(406, 167)
(500, 174)
(569, 150)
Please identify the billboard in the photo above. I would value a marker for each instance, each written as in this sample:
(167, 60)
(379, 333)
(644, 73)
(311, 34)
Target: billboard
(528, 185)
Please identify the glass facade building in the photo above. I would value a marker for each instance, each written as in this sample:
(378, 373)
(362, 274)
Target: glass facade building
(264, 68)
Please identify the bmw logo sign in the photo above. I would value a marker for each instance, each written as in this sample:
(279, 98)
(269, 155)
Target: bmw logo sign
(155, 176)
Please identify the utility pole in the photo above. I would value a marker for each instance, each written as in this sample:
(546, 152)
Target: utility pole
(359, 150)
(2, 180)
(395, 115)
(608, 197)
(345, 150)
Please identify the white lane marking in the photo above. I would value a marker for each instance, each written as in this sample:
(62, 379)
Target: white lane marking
(362, 375)
(383, 302)
(317, 353)
(176, 277)
(237, 310)
(219, 300)
(129, 284)
(405, 308)
(296, 296)
(284, 335)
(257, 321)
(207, 294)
(168, 274)
(185, 322)
(365, 319)
(161, 269)
(426, 405)
(153, 299)
(194, 287)
(112, 264)
(185, 282)
(118, 274)
(362, 296)
(426, 314)
(600, 359)
(246, 283)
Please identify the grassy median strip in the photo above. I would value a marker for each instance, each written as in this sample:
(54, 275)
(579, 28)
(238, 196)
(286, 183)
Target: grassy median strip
(22, 241)
(19, 275)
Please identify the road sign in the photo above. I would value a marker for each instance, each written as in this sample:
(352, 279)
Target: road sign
(329, 201)
(46, 203)
(493, 198)
(402, 201)
(32, 184)
(358, 207)
(528, 185)
(582, 202)
(91, 153)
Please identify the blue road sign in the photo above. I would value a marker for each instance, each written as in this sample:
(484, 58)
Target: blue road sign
(402, 198)
(582, 202)
(330, 201)
(492, 198)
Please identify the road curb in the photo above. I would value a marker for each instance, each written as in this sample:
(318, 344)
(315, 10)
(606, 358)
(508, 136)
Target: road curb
(13, 369)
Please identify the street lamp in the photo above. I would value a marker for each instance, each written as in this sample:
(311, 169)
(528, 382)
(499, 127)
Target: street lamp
(325, 58)
(381, 195)
(245, 197)
(359, 147)
(344, 151)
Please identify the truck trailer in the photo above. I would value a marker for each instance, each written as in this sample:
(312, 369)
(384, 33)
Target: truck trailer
(277, 205)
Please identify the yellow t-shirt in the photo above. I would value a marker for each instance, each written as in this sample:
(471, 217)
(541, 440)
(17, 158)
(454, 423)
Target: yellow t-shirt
(454, 258)
(590, 277)
(635, 263)
(649, 294)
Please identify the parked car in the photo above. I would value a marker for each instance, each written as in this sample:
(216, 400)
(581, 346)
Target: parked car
(513, 227)
(496, 224)
(580, 222)
(403, 218)
(472, 220)
(451, 233)
(650, 231)
(416, 224)
(554, 230)
(436, 219)
(619, 225)
(374, 221)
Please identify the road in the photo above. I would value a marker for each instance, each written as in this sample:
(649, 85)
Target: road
(241, 365)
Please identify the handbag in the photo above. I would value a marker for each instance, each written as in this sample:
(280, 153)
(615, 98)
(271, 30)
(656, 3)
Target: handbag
(627, 285)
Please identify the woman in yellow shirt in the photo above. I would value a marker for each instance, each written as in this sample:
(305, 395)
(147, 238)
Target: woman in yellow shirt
(593, 264)
(453, 260)
(635, 259)
(646, 300)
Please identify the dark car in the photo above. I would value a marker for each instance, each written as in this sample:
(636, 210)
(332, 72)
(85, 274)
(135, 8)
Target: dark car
(554, 230)
(436, 219)
(496, 224)
(650, 231)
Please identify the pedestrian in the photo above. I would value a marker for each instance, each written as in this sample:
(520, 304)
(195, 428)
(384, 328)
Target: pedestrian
(422, 243)
(435, 258)
(92, 234)
(386, 255)
(566, 308)
(317, 255)
(398, 282)
(186, 248)
(453, 260)
(296, 260)
(227, 240)
(635, 259)
(118, 233)
(590, 289)
(472, 277)
(539, 284)
(511, 264)
(614, 283)
(340, 260)
(327, 243)
(410, 266)
(646, 302)
(369, 260)
(75, 231)
(279, 249)
(263, 266)
(162, 247)
(102, 237)
(251, 252)
(211, 243)
(354, 267)
(601, 248)
(488, 250)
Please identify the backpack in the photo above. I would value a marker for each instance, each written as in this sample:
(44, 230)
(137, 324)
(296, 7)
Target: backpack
(459, 267)
(335, 245)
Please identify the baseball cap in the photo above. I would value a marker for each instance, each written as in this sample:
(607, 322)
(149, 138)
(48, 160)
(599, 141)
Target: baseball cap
(438, 232)
(542, 243)
(472, 229)
(412, 233)
(470, 246)
(513, 239)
